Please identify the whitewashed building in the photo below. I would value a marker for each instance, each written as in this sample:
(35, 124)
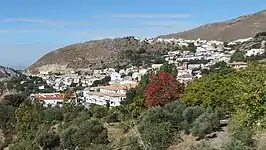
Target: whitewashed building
(49, 99)
(112, 94)
(254, 52)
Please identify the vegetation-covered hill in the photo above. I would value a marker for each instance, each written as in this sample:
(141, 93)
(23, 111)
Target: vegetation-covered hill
(238, 28)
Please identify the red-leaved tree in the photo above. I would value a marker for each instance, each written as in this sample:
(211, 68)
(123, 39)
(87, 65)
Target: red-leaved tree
(162, 88)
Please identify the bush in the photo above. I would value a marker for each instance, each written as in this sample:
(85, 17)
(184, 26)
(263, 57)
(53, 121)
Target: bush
(68, 138)
(113, 117)
(53, 114)
(174, 112)
(91, 132)
(206, 123)
(157, 136)
(153, 115)
(243, 140)
(99, 111)
(48, 140)
(190, 114)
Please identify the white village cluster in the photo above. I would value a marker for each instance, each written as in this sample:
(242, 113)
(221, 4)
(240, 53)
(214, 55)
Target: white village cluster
(189, 65)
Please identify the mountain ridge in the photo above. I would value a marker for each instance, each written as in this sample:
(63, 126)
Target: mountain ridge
(7, 72)
(227, 30)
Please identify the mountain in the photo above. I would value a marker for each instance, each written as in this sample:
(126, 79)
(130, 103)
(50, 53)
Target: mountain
(109, 52)
(238, 28)
(7, 72)
(92, 54)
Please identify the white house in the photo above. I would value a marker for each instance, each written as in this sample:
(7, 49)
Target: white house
(156, 66)
(112, 94)
(41, 87)
(101, 98)
(115, 77)
(254, 52)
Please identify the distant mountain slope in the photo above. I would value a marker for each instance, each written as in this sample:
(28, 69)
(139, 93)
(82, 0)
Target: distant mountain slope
(7, 72)
(241, 27)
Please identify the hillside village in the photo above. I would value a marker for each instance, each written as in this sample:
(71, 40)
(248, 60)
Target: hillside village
(109, 86)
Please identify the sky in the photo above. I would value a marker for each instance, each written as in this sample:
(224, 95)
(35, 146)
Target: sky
(31, 28)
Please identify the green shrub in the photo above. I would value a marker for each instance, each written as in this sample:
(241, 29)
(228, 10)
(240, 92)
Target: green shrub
(112, 118)
(51, 115)
(68, 138)
(190, 114)
(206, 123)
(48, 140)
(241, 140)
(99, 111)
(153, 115)
(90, 132)
(174, 112)
(157, 136)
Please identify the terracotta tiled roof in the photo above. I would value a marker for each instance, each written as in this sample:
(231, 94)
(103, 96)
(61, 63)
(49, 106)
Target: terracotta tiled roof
(49, 96)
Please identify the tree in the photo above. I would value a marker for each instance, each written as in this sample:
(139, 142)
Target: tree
(68, 138)
(215, 90)
(104, 81)
(28, 118)
(48, 140)
(157, 136)
(219, 67)
(206, 123)
(170, 68)
(243, 89)
(237, 56)
(191, 47)
(91, 132)
(53, 115)
(162, 88)
(7, 117)
(190, 114)
(98, 111)
(14, 99)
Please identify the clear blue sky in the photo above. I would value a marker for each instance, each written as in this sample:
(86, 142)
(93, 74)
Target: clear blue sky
(31, 28)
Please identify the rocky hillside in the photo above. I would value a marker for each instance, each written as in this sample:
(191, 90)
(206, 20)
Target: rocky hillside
(238, 28)
(92, 54)
(7, 72)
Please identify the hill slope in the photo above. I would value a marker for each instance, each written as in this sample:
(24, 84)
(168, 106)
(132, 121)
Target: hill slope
(238, 28)
(92, 54)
